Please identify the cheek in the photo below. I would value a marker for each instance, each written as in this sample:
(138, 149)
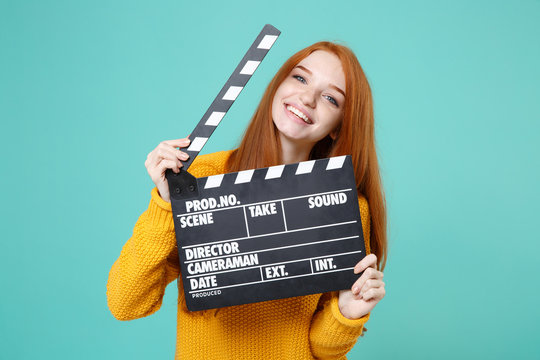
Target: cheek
(275, 107)
(283, 91)
(277, 101)
(333, 119)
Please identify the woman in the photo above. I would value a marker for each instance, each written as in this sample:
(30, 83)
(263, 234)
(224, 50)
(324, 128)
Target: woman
(317, 105)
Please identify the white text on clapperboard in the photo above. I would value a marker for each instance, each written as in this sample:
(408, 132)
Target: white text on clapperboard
(223, 253)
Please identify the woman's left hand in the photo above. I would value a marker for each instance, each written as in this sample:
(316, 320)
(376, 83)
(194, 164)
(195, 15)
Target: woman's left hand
(365, 293)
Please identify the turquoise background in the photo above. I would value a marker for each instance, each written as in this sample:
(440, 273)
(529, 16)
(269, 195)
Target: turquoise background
(88, 88)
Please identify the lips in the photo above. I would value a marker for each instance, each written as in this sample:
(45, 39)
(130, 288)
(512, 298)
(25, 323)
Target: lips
(298, 114)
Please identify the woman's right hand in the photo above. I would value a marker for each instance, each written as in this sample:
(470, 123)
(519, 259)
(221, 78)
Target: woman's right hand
(165, 156)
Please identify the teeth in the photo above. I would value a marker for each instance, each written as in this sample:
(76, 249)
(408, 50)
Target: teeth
(298, 113)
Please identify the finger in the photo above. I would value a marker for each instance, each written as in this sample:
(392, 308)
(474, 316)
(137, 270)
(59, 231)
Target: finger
(157, 171)
(178, 142)
(168, 164)
(152, 158)
(370, 260)
(163, 164)
(168, 152)
(374, 294)
(149, 160)
(370, 273)
(371, 284)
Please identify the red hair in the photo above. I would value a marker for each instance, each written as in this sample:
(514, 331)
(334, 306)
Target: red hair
(260, 146)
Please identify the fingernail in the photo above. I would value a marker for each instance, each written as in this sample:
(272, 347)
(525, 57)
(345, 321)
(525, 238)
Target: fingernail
(355, 290)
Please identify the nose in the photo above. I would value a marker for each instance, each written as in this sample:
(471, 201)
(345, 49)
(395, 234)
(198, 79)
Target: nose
(308, 98)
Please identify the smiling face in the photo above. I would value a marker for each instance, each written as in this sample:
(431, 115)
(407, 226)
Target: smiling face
(308, 105)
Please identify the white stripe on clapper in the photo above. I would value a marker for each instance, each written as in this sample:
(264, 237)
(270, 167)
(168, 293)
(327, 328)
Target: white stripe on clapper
(197, 144)
(214, 181)
(232, 93)
(250, 67)
(274, 172)
(335, 162)
(305, 167)
(244, 176)
(215, 118)
(267, 42)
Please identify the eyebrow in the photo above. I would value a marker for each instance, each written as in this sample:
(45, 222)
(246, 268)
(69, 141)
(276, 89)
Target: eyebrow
(310, 73)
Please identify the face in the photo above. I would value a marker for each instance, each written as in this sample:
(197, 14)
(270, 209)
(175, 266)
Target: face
(308, 105)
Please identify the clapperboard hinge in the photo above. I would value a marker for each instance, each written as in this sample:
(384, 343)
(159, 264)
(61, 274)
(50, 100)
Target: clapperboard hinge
(183, 185)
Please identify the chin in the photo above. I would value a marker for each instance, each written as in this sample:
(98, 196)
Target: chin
(295, 137)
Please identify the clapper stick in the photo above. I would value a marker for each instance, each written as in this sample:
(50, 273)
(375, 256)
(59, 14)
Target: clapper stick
(179, 183)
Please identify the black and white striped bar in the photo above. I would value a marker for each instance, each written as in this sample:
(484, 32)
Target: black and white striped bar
(230, 91)
(271, 233)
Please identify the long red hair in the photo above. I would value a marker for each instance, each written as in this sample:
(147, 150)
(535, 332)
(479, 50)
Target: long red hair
(260, 146)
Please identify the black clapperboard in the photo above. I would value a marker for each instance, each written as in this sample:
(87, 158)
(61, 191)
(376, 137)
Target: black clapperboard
(263, 234)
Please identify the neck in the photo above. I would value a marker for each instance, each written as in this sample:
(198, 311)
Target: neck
(293, 152)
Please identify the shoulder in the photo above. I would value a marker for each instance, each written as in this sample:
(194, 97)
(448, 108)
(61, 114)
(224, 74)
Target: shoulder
(210, 164)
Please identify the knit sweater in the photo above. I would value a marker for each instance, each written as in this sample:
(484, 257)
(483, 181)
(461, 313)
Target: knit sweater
(304, 327)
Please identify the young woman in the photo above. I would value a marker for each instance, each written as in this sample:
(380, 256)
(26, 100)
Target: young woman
(318, 105)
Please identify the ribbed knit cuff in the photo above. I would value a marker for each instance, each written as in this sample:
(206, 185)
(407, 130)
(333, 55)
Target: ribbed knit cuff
(160, 212)
(338, 320)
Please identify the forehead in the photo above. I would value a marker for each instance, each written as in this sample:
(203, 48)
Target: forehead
(326, 65)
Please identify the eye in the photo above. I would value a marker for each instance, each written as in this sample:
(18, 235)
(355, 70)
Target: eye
(332, 100)
(299, 78)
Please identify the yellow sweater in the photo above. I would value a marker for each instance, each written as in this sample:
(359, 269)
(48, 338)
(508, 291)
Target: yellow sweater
(304, 327)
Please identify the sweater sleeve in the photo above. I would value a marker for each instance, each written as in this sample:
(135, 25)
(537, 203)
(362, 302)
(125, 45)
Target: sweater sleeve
(149, 260)
(332, 335)
(147, 263)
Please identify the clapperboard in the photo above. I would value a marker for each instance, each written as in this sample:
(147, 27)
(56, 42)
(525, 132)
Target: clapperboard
(263, 234)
